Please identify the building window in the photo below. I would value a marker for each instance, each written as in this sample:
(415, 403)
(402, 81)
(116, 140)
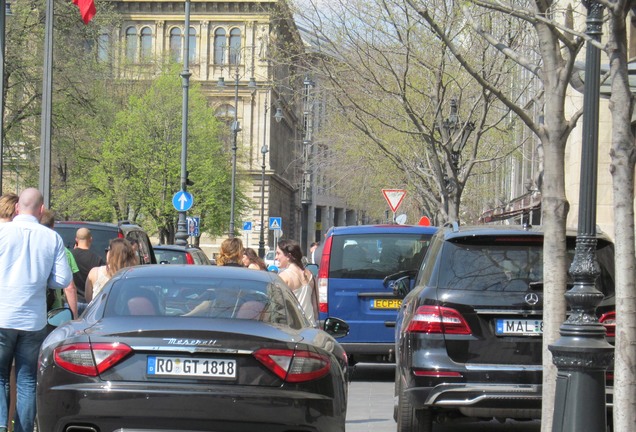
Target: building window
(146, 43)
(192, 47)
(103, 47)
(220, 41)
(131, 44)
(235, 46)
(175, 44)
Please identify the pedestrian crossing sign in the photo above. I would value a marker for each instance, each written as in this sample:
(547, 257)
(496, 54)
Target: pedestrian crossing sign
(275, 223)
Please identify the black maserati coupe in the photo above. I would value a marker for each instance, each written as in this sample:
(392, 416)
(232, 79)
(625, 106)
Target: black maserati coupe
(196, 348)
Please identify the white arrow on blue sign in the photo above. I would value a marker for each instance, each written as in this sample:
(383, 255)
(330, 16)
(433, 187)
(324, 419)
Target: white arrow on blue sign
(182, 201)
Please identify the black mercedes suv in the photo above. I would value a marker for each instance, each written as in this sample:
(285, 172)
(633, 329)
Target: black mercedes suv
(468, 336)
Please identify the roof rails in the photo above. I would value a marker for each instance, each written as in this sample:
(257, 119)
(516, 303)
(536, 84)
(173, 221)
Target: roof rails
(453, 224)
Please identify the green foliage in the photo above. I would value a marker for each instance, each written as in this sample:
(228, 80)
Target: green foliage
(140, 160)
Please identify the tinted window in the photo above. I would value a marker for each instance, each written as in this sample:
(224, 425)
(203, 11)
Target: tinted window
(198, 297)
(504, 264)
(372, 256)
(101, 238)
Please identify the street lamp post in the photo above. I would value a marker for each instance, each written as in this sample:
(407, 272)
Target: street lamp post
(47, 96)
(455, 134)
(235, 129)
(278, 117)
(261, 240)
(582, 354)
(182, 231)
(5, 10)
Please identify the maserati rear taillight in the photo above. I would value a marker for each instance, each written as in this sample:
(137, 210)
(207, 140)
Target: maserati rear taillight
(323, 277)
(294, 366)
(437, 319)
(89, 359)
(609, 321)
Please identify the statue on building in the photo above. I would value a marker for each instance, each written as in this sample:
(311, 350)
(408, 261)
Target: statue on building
(263, 49)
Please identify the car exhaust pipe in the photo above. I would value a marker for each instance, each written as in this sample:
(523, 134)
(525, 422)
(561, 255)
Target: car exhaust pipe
(80, 428)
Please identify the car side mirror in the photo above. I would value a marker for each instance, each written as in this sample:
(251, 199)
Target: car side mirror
(57, 317)
(401, 286)
(313, 268)
(336, 327)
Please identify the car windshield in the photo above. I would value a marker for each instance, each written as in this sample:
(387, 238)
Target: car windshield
(372, 256)
(101, 238)
(499, 264)
(170, 256)
(199, 297)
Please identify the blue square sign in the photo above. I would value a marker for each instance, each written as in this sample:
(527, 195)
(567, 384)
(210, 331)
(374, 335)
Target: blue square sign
(247, 226)
(275, 223)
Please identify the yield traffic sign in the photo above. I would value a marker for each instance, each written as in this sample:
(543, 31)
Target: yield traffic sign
(394, 197)
(182, 201)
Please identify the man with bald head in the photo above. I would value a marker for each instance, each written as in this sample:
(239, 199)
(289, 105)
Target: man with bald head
(86, 260)
(32, 258)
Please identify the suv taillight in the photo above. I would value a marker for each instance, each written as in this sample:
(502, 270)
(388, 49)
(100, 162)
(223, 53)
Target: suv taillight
(437, 319)
(90, 359)
(323, 277)
(188, 257)
(609, 321)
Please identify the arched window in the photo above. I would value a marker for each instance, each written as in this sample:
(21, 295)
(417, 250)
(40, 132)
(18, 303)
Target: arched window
(220, 41)
(225, 112)
(192, 46)
(146, 43)
(175, 44)
(103, 47)
(235, 46)
(131, 44)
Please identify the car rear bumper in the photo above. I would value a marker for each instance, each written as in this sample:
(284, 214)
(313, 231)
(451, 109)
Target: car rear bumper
(481, 400)
(118, 406)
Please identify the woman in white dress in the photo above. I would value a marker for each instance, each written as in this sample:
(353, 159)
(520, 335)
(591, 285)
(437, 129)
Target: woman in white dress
(119, 254)
(298, 278)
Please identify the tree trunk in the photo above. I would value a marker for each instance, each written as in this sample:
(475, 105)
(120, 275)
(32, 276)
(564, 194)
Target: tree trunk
(554, 209)
(623, 158)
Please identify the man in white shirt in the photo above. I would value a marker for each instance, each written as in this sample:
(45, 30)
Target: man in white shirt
(32, 258)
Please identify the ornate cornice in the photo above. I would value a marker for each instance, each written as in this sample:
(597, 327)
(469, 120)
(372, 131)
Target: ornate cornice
(196, 7)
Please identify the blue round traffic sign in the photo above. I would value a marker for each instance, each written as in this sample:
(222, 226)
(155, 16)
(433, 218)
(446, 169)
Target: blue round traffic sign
(182, 201)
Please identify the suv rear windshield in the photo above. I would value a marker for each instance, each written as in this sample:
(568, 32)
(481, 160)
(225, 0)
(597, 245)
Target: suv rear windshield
(370, 256)
(505, 264)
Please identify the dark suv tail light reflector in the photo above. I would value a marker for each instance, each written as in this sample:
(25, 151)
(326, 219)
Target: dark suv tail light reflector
(609, 321)
(188, 257)
(437, 319)
(294, 366)
(90, 359)
(323, 277)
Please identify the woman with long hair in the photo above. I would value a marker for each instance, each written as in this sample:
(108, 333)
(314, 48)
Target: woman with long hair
(252, 261)
(298, 278)
(119, 254)
(231, 253)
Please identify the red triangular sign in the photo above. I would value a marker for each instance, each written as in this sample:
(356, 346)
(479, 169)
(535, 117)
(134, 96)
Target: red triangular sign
(394, 197)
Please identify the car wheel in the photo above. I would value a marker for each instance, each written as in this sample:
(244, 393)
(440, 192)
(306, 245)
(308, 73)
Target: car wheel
(410, 419)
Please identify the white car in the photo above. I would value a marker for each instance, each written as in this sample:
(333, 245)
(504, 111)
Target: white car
(270, 259)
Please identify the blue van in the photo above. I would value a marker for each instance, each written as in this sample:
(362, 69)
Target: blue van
(354, 262)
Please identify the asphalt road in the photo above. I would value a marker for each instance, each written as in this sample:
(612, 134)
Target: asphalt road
(371, 406)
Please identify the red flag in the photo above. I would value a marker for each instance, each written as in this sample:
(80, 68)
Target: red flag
(87, 9)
